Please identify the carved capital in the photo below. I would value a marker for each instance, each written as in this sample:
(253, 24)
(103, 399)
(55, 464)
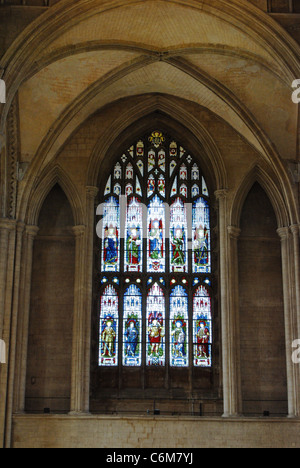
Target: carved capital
(31, 231)
(295, 229)
(7, 224)
(92, 191)
(283, 233)
(79, 230)
(221, 194)
(234, 232)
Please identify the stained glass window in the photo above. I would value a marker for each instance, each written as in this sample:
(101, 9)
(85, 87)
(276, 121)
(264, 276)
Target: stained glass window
(109, 327)
(156, 261)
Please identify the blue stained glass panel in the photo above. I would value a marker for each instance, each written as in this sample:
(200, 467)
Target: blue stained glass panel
(111, 236)
(132, 327)
(134, 236)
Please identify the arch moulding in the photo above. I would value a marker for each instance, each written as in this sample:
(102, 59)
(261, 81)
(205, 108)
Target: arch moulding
(158, 110)
(48, 179)
(281, 206)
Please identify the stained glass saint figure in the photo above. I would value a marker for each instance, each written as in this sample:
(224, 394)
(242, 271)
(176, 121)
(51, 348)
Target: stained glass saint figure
(155, 327)
(156, 235)
(202, 328)
(201, 237)
(179, 328)
(132, 327)
(110, 248)
(108, 346)
(110, 235)
(178, 236)
(162, 186)
(134, 243)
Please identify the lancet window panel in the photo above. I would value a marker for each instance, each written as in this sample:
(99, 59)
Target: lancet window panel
(109, 327)
(132, 327)
(156, 246)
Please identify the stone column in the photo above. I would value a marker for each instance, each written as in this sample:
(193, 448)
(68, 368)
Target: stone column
(234, 322)
(80, 384)
(7, 241)
(13, 391)
(287, 252)
(91, 194)
(6, 227)
(295, 229)
(24, 312)
(78, 323)
(228, 315)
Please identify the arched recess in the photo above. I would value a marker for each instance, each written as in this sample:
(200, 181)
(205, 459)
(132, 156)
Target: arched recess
(261, 302)
(47, 180)
(49, 354)
(283, 208)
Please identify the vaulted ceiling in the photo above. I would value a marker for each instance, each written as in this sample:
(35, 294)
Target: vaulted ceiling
(228, 57)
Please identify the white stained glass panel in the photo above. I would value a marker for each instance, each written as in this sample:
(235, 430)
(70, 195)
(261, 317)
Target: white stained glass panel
(178, 237)
(156, 236)
(201, 237)
(111, 236)
(134, 236)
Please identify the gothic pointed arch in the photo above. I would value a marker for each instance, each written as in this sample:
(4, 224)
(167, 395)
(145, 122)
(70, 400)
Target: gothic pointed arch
(48, 179)
(164, 110)
(282, 209)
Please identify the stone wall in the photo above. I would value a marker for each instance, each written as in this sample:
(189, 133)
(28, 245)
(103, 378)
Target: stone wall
(261, 309)
(152, 432)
